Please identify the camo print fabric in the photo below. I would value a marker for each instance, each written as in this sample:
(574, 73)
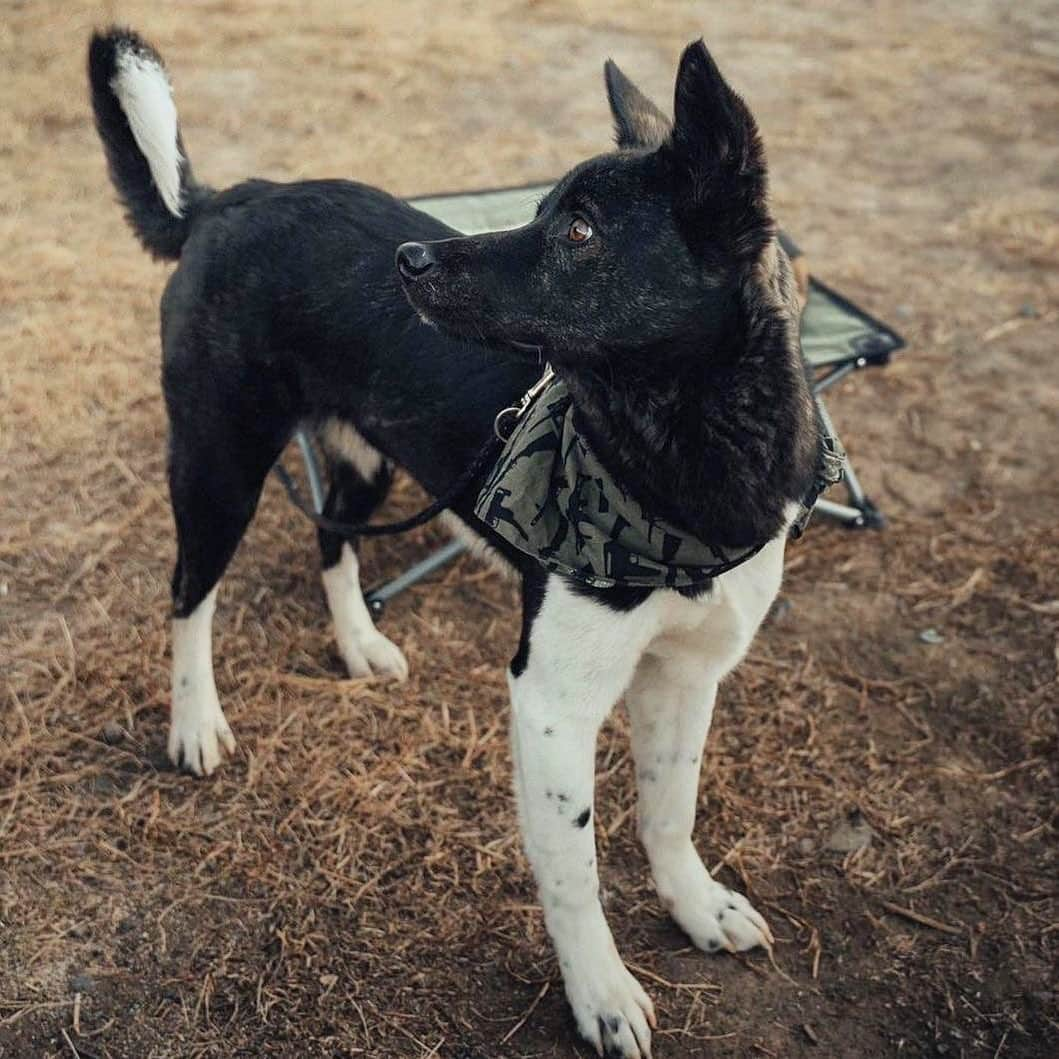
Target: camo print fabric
(549, 496)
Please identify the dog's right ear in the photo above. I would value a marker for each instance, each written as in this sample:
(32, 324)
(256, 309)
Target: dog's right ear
(637, 121)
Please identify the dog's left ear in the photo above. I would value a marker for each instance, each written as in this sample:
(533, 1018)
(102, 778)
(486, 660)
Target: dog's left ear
(713, 126)
(637, 121)
(716, 153)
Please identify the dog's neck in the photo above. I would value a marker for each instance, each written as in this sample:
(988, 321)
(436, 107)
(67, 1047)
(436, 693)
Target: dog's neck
(717, 441)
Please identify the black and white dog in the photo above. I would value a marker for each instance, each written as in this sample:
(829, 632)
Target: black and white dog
(652, 280)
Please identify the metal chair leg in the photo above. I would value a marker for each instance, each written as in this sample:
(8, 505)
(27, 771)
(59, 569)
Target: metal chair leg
(378, 597)
(312, 470)
(860, 512)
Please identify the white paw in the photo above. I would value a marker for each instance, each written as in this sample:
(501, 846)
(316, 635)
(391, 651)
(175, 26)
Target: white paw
(612, 1011)
(196, 735)
(373, 655)
(718, 918)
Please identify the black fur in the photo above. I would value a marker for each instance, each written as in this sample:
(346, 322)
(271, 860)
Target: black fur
(534, 579)
(286, 308)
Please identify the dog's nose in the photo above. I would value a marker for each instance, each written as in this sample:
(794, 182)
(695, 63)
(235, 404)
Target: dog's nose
(414, 260)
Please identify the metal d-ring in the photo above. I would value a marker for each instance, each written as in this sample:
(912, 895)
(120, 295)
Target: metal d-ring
(517, 411)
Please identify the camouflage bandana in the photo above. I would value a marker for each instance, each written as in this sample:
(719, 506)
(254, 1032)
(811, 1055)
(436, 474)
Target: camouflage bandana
(550, 498)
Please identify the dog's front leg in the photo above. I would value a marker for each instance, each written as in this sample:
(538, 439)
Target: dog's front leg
(581, 656)
(670, 703)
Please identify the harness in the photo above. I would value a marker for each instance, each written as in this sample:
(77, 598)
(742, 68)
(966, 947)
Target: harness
(550, 498)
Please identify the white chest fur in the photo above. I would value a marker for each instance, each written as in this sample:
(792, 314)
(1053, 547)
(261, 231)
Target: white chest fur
(722, 623)
(714, 630)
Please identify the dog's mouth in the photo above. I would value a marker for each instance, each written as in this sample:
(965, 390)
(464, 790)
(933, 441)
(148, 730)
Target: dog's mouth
(532, 350)
(467, 326)
(458, 311)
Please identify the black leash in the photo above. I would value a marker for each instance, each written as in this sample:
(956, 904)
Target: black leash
(485, 458)
(505, 422)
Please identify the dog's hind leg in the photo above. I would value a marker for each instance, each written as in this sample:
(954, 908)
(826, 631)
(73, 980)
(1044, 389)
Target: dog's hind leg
(670, 703)
(198, 728)
(575, 660)
(217, 467)
(359, 481)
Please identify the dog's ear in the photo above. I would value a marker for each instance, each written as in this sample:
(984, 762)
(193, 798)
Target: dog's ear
(713, 126)
(717, 157)
(637, 121)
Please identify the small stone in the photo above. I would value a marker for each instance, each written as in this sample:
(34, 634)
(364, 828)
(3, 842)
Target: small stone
(465, 1051)
(781, 610)
(903, 311)
(931, 636)
(853, 833)
(82, 983)
(1029, 310)
(103, 785)
(806, 846)
(113, 733)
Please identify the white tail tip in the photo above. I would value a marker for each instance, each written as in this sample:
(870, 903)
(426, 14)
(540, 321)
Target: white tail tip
(143, 91)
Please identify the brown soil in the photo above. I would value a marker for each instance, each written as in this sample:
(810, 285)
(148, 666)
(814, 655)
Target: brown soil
(351, 883)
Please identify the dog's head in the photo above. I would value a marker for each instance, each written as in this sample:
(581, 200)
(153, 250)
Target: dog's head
(642, 250)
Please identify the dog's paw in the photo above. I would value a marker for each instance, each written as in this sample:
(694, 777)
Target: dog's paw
(719, 918)
(612, 1011)
(373, 655)
(197, 734)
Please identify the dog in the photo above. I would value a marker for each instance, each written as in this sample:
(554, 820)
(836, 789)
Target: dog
(652, 280)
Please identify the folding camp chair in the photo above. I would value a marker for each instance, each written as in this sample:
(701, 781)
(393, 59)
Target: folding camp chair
(838, 338)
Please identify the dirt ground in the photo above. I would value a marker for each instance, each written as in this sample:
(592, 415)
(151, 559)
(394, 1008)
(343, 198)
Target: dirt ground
(351, 884)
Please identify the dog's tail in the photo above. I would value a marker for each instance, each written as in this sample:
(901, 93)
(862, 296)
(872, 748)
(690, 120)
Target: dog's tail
(137, 122)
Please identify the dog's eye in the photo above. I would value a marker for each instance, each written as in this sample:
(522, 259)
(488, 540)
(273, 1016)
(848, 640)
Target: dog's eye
(580, 231)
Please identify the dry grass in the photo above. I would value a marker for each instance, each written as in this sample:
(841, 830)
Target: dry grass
(351, 883)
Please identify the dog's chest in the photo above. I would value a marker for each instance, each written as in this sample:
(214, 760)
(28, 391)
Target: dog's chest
(720, 625)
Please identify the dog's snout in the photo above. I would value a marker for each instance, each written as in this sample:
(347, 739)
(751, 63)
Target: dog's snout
(415, 260)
